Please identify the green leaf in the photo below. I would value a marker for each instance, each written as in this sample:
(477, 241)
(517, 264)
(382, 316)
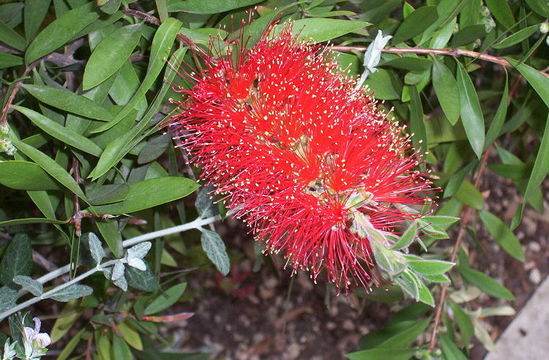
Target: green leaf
(150, 193)
(539, 6)
(442, 221)
(160, 49)
(25, 175)
(208, 7)
(406, 239)
(9, 60)
(425, 295)
(382, 354)
(50, 166)
(121, 350)
(11, 37)
(537, 80)
(26, 221)
(34, 13)
(447, 91)
(502, 12)
(70, 293)
(430, 267)
(154, 148)
(110, 54)
(517, 37)
(61, 31)
(214, 248)
(471, 112)
(502, 234)
(464, 323)
(130, 336)
(69, 101)
(166, 299)
(410, 64)
(383, 85)
(111, 234)
(60, 132)
(449, 349)
(71, 345)
(485, 283)
(29, 284)
(469, 195)
(409, 283)
(407, 336)
(499, 118)
(17, 259)
(321, 29)
(417, 125)
(415, 23)
(106, 194)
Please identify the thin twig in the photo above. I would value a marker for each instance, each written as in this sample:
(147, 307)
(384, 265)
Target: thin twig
(466, 216)
(13, 92)
(141, 15)
(448, 52)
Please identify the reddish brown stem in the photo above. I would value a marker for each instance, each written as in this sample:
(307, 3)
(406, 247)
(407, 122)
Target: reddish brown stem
(448, 52)
(13, 92)
(466, 216)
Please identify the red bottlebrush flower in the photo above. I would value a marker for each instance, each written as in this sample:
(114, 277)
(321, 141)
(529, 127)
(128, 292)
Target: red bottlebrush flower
(301, 155)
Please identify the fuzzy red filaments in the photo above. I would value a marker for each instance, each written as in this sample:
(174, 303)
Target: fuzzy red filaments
(301, 155)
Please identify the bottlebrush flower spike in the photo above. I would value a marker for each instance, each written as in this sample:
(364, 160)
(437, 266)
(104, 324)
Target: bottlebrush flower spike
(310, 163)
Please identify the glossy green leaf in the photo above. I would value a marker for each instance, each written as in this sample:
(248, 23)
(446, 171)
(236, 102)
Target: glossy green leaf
(34, 13)
(447, 91)
(110, 54)
(536, 79)
(449, 349)
(11, 37)
(502, 12)
(499, 118)
(26, 221)
(208, 7)
(111, 235)
(485, 283)
(425, 295)
(17, 259)
(71, 345)
(410, 64)
(539, 6)
(61, 30)
(69, 101)
(150, 193)
(468, 34)
(106, 194)
(415, 23)
(517, 37)
(471, 112)
(60, 132)
(121, 350)
(417, 125)
(214, 248)
(25, 175)
(160, 49)
(469, 195)
(430, 267)
(166, 299)
(464, 323)
(407, 336)
(50, 166)
(322, 29)
(383, 85)
(382, 354)
(9, 60)
(502, 234)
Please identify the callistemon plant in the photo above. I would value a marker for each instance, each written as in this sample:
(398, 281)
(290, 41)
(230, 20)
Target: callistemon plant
(309, 161)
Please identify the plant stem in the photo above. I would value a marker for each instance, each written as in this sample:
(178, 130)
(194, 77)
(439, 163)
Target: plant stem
(195, 224)
(466, 216)
(448, 52)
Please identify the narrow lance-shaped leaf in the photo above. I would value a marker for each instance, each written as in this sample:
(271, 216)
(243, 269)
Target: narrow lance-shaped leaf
(60, 132)
(447, 91)
(502, 234)
(160, 49)
(110, 54)
(69, 101)
(471, 112)
(61, 30)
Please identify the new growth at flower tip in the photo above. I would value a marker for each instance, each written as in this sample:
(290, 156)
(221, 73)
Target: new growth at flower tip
(308, 160)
